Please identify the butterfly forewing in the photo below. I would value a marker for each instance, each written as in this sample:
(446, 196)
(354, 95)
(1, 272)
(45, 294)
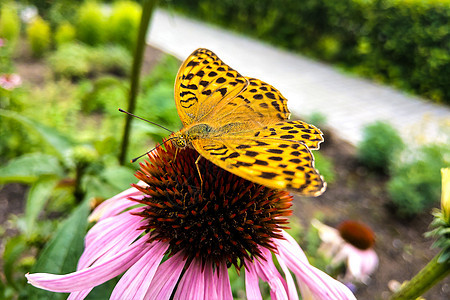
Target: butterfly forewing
(204, 83)
(258, 103)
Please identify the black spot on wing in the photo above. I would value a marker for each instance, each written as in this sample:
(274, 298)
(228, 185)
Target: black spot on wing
(261, 162)
(268, 175)
(251, 153)
(275, 151)
(232, 155)
(192, 63)
(270, 95)
(276, 158)
(243, 147)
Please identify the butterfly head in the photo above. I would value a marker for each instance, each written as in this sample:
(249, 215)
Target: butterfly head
(179, 140)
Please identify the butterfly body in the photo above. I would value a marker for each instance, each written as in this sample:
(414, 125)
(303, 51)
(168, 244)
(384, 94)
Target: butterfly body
(241, 124)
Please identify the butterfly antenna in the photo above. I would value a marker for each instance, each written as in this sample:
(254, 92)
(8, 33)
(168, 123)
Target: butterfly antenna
(157, 146)
(133, 115)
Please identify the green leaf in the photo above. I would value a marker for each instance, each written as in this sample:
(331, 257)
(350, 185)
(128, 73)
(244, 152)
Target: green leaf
(104, 290)
(444, 257)
(28, 168)
(61, 254)
(38, 195)
(13, 250)
(119, 177)
(58, 142)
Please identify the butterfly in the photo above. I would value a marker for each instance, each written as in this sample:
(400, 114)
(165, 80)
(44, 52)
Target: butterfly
(241, 125)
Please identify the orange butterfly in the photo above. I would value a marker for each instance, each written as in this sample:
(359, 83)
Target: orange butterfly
(241, 125)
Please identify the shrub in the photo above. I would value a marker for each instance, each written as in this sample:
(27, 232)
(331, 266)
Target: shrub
(404, 43)
(90, 24)
(123, 23)
(415, 186)
(65, 33)
(380, 146)
(62, 11)
(75, 61)
(103, 94)
(9, 23)
(38, 35)
(110, 59)
(70, 61)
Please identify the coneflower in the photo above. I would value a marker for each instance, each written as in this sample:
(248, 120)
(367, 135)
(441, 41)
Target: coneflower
(351, 244)
(174, 235)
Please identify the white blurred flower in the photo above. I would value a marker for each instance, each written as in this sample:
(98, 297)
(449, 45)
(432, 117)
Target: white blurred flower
(351, 245)
(28, 14)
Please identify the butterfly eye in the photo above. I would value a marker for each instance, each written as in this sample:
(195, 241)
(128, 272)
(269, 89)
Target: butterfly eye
(180, 143)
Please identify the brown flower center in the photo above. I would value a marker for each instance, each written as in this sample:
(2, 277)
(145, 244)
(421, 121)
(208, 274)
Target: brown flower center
(357, 234)
(226, 218)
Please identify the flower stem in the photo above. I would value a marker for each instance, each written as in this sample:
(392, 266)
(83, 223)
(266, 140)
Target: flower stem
(431, 274)
(147, 10)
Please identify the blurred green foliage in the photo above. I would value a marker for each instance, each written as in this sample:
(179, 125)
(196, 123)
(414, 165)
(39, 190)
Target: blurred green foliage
(67, 154)
(415, 185)
(65, 33)
(325, 166)
(380, 147)
(123, 23)
(403, 43)
(91, 23)
(70, 61)
(38, 36)
(59, 12)
(76, 60)
(9, 23)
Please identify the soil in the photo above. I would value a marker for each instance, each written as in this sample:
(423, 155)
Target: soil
(356, 194)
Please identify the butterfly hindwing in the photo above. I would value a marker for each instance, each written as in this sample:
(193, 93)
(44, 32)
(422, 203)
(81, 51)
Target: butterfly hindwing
(280, 164)
(298, 131)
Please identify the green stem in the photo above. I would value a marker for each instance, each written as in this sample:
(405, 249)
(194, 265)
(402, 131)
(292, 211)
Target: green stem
(147, 10)
(431, 274)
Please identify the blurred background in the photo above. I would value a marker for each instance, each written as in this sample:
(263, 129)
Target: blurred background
(357, 69)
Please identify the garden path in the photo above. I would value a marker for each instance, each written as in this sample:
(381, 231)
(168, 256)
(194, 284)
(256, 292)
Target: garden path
(348, 103)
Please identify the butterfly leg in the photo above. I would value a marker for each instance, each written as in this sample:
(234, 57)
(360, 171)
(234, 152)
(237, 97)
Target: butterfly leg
(175, 156)
(198, 170)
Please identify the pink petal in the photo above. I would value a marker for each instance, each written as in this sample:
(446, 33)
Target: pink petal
(361, 263)
(192, 284)
(370, 262)
(135, 282)
(210, 280)
(291, 288)
(267, 271)
(166, 278)
(321, 285)
(118, 232)
(115, 205)
(93, 276)
(223, 283)
(251, 283)
(80, 294)
(110, 225)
